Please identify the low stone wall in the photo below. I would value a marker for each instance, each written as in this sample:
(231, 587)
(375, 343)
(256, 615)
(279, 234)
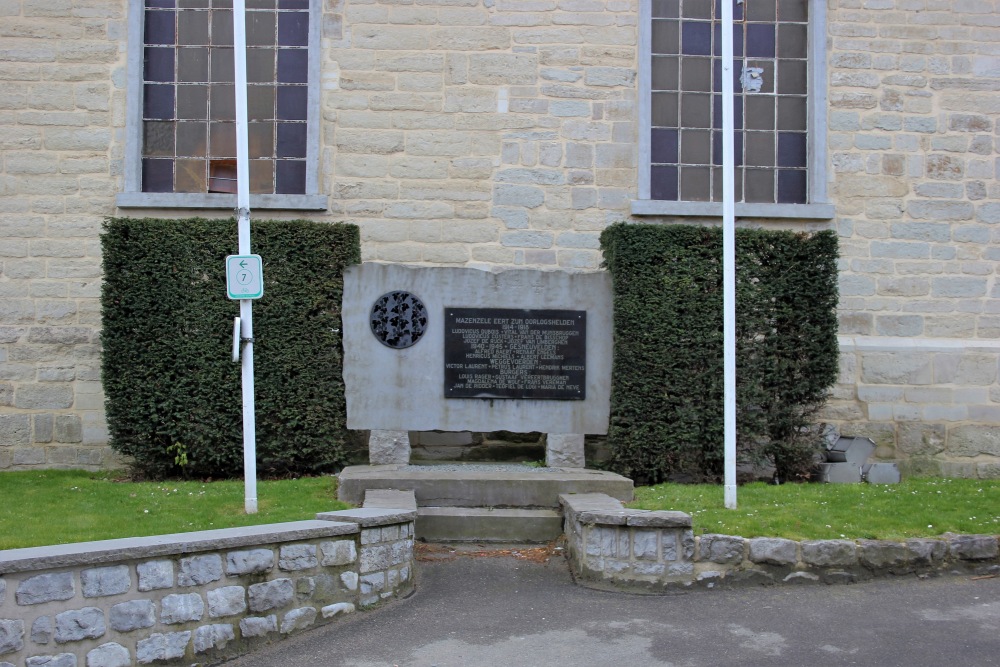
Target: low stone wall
(611, 546)
(196, 597)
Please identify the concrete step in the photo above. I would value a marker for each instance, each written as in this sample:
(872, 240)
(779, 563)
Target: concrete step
(483, 524)
(481, 485)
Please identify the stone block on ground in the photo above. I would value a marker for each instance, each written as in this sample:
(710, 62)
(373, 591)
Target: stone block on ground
(386, 447)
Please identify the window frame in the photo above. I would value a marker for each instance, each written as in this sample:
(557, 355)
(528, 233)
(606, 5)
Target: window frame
(818, 207)
(132, 195)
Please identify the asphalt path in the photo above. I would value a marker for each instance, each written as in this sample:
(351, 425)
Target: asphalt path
(501, 611)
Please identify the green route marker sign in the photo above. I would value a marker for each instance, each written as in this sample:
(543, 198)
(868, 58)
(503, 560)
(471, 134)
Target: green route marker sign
(244, 277)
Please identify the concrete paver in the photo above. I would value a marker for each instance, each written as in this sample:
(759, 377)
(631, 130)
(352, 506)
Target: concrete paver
(474, 611)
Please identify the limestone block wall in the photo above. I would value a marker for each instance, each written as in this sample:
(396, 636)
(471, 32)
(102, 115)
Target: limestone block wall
(196, 597)
(62, 73)
(609, 546)
(913, 140)
(504, 132)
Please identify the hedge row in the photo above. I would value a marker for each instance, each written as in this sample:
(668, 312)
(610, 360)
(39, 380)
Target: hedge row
(173, 393)
(667, 385)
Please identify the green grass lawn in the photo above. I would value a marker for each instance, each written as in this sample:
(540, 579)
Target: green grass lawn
(61, 506)
(914, 508)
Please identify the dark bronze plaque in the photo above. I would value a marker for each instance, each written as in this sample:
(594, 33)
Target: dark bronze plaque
(510, 353)
(398, 319)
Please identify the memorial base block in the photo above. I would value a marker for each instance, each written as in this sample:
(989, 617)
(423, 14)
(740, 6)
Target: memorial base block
(385, 447)
(564, 450)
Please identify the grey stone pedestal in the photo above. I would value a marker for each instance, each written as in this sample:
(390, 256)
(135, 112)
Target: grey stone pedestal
(386, 447)
(564, 450)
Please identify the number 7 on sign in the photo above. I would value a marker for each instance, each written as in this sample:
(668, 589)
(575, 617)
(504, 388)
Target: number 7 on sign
(244, 277)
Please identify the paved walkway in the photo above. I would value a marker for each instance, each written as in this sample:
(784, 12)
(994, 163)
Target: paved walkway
(485, 612)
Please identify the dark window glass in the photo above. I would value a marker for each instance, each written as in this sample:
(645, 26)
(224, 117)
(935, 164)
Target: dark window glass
(761, 10)
(157, 175)
(792, 40)
(192, 102)
(191, 139)
(759, 186)
(665, 9)
(260, 65)
(192, 64)
(262, 176)
(158, 139)
(190, 176)
(192, 4)
(260, 103)
(717, 75)
(760, 40)
(158, 102)
(664, 109)
(696, 9)
(737, 184)
(696, 146)
(696, 110)
(793, 10)
(222, 4)
(168, 4)
(222, 28)
(664, 145)
(695, 183)
(766, 77)
(791, 149)
(737, 10)
(223, 68)
(737, 40)
(290, 177)
(737, 148)
(760, 149)
(696, 74)
(293, 4)
(293, 65)
(792, 113)
(260, 140)
(665, 73)
(791, 186)
(222, 140)
(159, 28)
(293, 29)
(291, 140)
(192, 27)
(737, 111)
(666, 37)
(260, 4)
(663, 183)
(792, 75)
(292, 102)
(760, 112)
(159, 64)
(696, 38)
(260, 29)
(223, 103)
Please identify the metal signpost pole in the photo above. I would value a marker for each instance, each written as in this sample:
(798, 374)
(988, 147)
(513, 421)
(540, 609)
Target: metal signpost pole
(728, 257)
(243, 210)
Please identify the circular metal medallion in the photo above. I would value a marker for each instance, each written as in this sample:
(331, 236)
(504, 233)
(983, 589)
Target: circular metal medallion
(398, 319)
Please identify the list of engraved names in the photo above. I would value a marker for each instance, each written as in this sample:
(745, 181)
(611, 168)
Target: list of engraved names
(510, 353)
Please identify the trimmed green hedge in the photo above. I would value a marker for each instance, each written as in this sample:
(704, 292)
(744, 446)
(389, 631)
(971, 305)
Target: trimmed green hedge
(667, 385)
(173, 391)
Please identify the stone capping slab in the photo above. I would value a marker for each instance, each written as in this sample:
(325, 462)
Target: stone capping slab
(597, 508)
(390, 499)
(108, 551)
(370, 516)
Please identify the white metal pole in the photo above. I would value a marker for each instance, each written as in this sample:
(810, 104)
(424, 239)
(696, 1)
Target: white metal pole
(243, 210)
(728, 257)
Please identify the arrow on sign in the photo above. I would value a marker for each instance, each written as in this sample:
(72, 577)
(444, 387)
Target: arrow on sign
(243, 264)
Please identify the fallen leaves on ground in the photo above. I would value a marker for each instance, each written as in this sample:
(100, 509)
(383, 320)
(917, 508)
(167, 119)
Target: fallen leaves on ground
(447, 552)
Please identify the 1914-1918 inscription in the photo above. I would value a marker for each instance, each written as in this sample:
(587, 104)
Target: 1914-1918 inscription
(510, 353)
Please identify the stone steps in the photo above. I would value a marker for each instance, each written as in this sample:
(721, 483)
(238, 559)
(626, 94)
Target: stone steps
(478, 503)
(481, 485)
(484, 524)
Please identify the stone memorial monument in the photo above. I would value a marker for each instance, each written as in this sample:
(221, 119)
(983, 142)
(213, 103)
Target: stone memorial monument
(464, 349)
